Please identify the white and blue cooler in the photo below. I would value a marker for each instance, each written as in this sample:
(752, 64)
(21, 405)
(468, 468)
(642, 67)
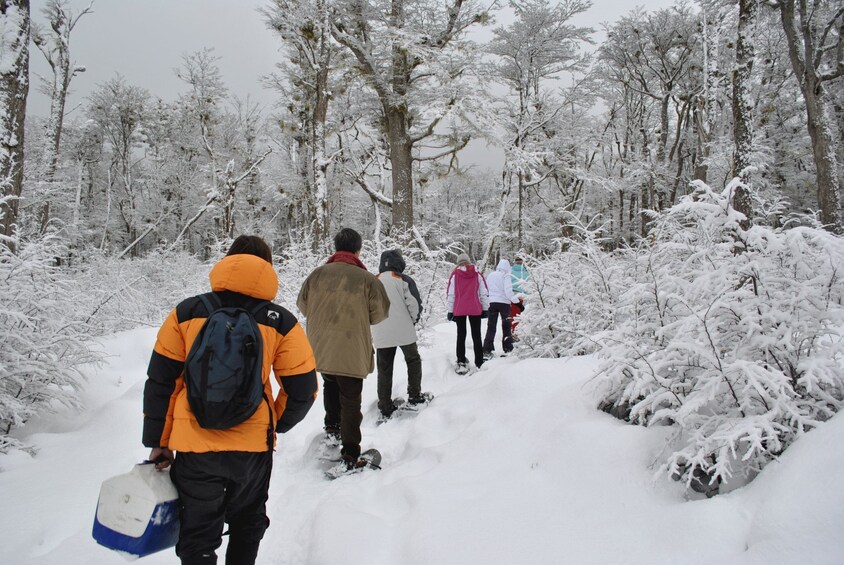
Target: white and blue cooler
(138, 513)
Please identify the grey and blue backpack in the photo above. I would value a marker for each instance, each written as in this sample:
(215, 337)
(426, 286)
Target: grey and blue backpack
(223, 370)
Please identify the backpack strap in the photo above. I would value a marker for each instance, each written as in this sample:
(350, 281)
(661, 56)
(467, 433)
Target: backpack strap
(211, 301)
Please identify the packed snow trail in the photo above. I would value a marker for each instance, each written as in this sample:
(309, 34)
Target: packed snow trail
(509, 464)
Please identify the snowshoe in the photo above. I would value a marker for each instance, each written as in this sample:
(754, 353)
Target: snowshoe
(324, 448)
(369, 459)
(422, 399)
(411, 406)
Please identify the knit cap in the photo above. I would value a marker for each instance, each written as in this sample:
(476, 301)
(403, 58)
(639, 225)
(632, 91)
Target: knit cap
(463, 258)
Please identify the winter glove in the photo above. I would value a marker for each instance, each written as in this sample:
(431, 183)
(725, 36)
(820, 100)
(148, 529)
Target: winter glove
(520, 305)
(450, 317)
(484, 314)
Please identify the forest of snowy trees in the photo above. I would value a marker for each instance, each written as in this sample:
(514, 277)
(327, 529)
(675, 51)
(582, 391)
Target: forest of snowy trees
(675, 188)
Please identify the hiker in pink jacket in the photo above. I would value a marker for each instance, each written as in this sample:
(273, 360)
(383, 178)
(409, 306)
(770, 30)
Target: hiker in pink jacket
(468, 297)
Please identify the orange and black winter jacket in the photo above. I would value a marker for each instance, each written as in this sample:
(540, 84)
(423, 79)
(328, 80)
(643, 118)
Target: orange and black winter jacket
(243, 281)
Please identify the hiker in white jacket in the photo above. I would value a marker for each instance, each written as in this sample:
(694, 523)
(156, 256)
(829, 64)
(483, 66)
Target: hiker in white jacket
(501, 296)
(398, 330)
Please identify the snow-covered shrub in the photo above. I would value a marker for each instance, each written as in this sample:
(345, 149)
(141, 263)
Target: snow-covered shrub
(124, 293)
(294, 263)
(129, 292)
(46, 336)
(732, 336)
(570, 296)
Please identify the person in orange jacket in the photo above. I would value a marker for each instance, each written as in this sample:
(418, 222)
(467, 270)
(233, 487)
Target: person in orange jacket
(223, 476)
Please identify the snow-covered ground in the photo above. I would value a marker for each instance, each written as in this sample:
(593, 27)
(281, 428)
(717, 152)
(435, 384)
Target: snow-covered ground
(508, 465)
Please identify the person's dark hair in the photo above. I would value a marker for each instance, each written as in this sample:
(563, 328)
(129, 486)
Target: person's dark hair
(251, 245)
(349, 240)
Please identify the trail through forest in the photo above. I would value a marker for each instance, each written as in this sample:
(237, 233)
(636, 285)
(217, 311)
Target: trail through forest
(510, 464)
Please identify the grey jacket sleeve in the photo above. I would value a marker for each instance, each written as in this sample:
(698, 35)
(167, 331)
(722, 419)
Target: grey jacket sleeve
(413, 301)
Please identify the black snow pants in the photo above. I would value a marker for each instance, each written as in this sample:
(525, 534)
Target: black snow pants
(216, 488)
(475, 328)
(341, 397)
(386, 357)
(497, 309)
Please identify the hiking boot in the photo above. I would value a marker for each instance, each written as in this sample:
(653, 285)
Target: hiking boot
(353, 463)
(421, 398)
(488, 355)
(369, 459)
(387, 412)
(462, 368)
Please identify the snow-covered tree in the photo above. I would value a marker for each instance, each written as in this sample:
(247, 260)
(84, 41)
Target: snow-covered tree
(224, 140)
(119, 111)
(414, 56)
(304, 27)
(536, 49)
(54, 44)
(652, 64)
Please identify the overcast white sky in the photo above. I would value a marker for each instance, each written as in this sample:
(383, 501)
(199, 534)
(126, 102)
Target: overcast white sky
(145, 40)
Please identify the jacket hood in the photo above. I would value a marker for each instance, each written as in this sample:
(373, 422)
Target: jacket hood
(519, 270)
(503, 265)
(391, 260)
(245, 274)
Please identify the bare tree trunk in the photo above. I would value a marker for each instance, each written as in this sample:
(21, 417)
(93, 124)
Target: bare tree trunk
(54, 125)
(14, 88)
(663, 128)
(496, 227)
(826, 160)
(806, 51)
(742, 108)
(397, 126)
(391, 81)
(320, 161)
(108, 211)
(705, 109)
(402, 164)
(521, 177)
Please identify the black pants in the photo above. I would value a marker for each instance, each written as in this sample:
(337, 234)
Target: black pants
(216, 488)
(386, 357)
(341, 397)
(497, 309)
(475, 326)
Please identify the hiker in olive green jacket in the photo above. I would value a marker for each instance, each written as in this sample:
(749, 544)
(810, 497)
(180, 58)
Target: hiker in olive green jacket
(341, 300)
